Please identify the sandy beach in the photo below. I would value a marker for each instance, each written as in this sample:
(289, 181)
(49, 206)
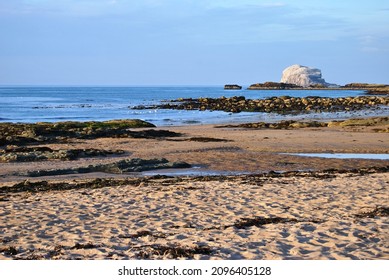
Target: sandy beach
(194, 130)
(324, 209)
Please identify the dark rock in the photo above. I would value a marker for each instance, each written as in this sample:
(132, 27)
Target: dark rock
(379, 91)
(233, 87)
(273, 86)
(373, 89)
(363, 86)
(119, 167)
(23, 134)
(27, 154)
(207, 139)
(9, 251)
(180, 164)
(280, 105)
(152, 134)
(287, 124)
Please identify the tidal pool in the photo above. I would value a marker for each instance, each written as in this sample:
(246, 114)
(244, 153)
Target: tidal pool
(342, 155)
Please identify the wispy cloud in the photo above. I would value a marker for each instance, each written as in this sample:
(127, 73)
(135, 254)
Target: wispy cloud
(374, 43)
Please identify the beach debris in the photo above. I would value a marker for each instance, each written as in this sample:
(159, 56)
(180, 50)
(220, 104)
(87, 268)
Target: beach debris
(57, 251)
(144, 233)
(261, 221)
(79, 246)
(10, 250)
(378, 211)
(172, 251)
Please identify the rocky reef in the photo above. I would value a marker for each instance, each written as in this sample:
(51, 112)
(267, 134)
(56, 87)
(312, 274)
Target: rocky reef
(26, 133)
(374, 89)
(303, 76)
(292, 124)
(232, 87)
(119, 167)
(30, 154)
(273, 86)
(289, 124)
(281, 105)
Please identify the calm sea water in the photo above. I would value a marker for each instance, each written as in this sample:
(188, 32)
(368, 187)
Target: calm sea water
(52, 104)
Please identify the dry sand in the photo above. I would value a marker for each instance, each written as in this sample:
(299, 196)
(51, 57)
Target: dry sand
(216, 218)
(316, 220)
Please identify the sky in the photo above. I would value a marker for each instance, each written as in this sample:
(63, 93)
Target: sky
(190, 42)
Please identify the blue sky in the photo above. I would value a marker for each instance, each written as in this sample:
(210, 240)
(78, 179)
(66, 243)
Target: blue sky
(190, 42)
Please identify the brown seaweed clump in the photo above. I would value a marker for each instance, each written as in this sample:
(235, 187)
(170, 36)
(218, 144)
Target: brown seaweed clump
(173, 251)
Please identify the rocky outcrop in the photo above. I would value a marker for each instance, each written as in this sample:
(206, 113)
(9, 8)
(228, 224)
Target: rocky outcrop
(281, 104)
(273, 86)
(233, 87)
(26, 133)
(291, 124)
(303, 76)
(287, 124)
(119, 167)
(30, 154)
(376, 89)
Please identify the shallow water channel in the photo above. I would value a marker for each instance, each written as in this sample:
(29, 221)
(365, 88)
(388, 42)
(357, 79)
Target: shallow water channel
(342, 155)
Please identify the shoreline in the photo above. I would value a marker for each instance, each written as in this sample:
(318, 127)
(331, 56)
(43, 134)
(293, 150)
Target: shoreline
(60, 105)
(231, 148)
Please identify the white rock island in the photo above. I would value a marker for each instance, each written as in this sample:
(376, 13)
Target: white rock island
(303, 76)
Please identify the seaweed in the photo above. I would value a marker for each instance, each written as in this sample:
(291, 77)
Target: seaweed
(144, 233)
(173, 251)
(9, 251)
(79, 246)
(379, 211)
(260, 221)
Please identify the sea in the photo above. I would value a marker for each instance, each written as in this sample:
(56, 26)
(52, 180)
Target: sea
(96, 103)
